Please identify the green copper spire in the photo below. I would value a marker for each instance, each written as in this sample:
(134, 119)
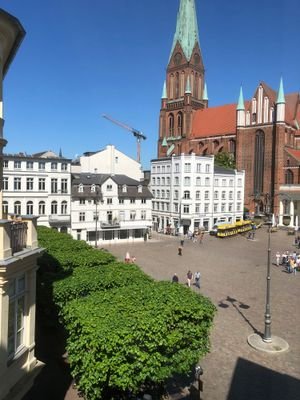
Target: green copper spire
(164, 142)
(280, 96)
(241, 104)
(205, 96)
(186, 28)
(188, 86)
(164, 92)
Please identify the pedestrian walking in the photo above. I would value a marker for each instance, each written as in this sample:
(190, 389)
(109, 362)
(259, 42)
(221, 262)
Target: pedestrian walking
(175, 278)
(181, 242)
(197, 279)
(277, 258)
(201, 235)
(180, 251)
(189, 277)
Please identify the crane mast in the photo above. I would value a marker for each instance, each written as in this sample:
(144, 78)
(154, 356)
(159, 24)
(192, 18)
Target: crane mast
(137, 134)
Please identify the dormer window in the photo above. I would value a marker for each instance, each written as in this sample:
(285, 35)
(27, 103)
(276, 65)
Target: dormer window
(93, 188)
(124, 188)
(80, 188)
(140, 189)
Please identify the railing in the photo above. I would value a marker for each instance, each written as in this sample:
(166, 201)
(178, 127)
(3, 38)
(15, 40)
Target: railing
(110, 224)
(18, 238)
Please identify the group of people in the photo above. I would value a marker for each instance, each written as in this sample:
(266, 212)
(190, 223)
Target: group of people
(189, 278)
(290, 261)
(129, 259)
(195, 236)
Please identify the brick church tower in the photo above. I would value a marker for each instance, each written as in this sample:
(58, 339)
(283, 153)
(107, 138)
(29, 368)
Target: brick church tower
(184, 89)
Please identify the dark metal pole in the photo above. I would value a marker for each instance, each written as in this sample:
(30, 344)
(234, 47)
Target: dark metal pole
(96, 244)
(267, 335)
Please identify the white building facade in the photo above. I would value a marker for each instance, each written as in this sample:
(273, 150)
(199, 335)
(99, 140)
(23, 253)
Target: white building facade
(190, 192)
(40, 185)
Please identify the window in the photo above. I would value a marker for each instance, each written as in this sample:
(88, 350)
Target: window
(289, 177)
(41, 208)
(5, 183)
(64, 166)
(42, 165)
(158, 181)
(168, 181)
(122, 215)
(132, 215)
(198, 167)
(29, 208)
(198, 181)
(223, 182)
(17, 207)
(230, 195)
(187, 181)
(186, 194)
(29, 184)
(153, 169)
(17, 164)
(176, 167)
(153, 182)
(54, 207)
(186, 209)
(206, 195)
(109, 188)
(198, 195)
(29, 165)
(132, 201)
(143, 214)
(5, 207)
(5, 164)
(215, 208)
(222, 207)
(64, 208)
(109, 200)
(64, 185)
(82, 201)
(95, 216)
(187, 167)
(80, 188)
(206, 207)
(93, 188)
(231, 182)
(82, 216)
(16, 315)
(163, 194)
(176, 181)
(163, 181)
(42, 184)
(176, 194)
(259, 162)
(17, 183)
(121, 201)
(207, 181)
(53, 185)
(168, 194)
(238, 207)
(163, 169)
(223, 195)
(239, 195)
(197, 207)
(216, 182)
(158, 169)
(207, 168)
(230, 207)
(216, 195)
(54, 166)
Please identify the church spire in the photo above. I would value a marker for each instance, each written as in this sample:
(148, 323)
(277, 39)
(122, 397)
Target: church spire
(186, 28)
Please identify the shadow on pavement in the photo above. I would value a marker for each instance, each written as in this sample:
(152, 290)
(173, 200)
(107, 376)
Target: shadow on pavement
(254, 382)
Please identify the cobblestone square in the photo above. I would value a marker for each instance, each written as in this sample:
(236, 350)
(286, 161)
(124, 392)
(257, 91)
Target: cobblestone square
(233, 275)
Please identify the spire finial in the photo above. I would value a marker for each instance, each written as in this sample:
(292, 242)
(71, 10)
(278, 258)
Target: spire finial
(241, 104)
(280, 96)
(188, 86)
(205, 96)
(164, 92)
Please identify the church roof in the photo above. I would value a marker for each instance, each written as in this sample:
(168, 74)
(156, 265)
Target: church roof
(294, 153)
(214, 121)
(186, 28)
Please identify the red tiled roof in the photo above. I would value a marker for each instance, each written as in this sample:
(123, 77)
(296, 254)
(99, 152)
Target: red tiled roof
(213, 121)
(294, 153)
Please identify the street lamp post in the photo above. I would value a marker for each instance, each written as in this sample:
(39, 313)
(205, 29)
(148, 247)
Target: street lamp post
(267, 334)
(96, 227)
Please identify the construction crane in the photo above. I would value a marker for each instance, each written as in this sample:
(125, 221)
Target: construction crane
(138, 134)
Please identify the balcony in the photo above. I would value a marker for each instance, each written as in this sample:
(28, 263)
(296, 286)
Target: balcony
(17, 234)
(110, 224)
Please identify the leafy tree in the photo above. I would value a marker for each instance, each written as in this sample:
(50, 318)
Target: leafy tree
(135, 336)
(225, 159)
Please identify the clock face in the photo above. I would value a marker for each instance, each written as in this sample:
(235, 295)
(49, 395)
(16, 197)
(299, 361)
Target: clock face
(196, 58)
(177, 58)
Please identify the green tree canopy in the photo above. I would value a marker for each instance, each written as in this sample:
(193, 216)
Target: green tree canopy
(225, 159)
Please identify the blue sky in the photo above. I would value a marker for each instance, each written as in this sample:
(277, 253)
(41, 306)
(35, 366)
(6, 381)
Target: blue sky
(83, 58)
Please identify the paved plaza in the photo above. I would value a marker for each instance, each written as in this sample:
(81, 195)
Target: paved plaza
(233, 275)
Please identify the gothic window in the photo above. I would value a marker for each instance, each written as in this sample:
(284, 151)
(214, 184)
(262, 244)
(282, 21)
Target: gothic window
(171, 94)
(253, 118)
(177, 83)
(192, 82)
(289, 177)
(179, 123)
(182, 83)
(215, 144)
(259, 162)
(231, 146)
(196, 86)
(171, 125)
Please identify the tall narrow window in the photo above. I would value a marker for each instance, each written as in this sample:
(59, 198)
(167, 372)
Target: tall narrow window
(179, 123)
(177, 83)
(259, 162)
(289, 177)
(171, 125)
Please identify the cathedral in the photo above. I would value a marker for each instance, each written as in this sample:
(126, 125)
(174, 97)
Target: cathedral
(262, 133)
